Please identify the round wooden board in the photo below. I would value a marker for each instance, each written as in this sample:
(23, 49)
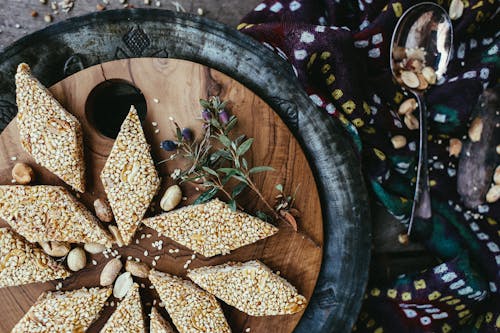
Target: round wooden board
(172, 88)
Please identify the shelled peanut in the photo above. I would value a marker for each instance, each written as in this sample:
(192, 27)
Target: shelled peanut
(410, 68)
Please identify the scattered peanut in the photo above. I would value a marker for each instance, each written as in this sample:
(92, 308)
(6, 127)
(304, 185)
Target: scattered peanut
(496, 177)
(103, 210)
(493, 194)
(455, 147)
(476, 129)
(23, 173)
(456, 9)
(398, 141)
(138, 269)
(48, 18)
(76, 259)
(498, 149)
(403, 239)
(94, 248)
(410, 79)
(110, 272)
(113, 229)
(407, 106)
(55, 249)
(122, 285)
(171, 198)
(429, 74)
(411, 121)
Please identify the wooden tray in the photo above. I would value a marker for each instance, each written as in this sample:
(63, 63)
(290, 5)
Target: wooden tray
(73, 45)
(172, 88)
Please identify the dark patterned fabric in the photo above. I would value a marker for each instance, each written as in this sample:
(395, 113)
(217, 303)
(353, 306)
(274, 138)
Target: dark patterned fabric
(339, 50)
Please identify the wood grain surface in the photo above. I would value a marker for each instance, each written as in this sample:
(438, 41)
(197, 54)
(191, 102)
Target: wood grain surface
(177, 86)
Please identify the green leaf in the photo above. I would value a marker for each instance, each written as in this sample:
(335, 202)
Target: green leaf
(205, 103)
(178, 133)
(245, 163)
(241, 179)
(206, 196)
(238, 189)
(244, 147)
(230, 125)
(240, 139)
(232, 204)
(279, 187)
(222, 105)
(229, 170)
(261, 169)
(214, 122)
(224, 140)
(227, 178)
(210, 171)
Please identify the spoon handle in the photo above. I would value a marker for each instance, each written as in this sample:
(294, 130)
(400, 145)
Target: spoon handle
(421, 207)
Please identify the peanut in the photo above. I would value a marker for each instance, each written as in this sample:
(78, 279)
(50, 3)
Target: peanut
(138, 269)
(122, 285)
(455, 147)
(496, 177)
(94, 248)
(113, 229)
(110, 272)
(398, 141)
(103, 210)
(171, 198)
(493, 194)
(476, 129)
(411, 121)
(76, 259)
(403, 239)
(399, 53)
(23, 173)
(429, 74)
(410, 79)
(407, 106)
(456, 9)
(55, 249)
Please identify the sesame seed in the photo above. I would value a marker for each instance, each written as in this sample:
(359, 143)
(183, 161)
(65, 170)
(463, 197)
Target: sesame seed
(193, 256)
(137, 259)
(156, 100)
(154, 123)
(176, 250)
(129, 258)
(13, 158)
(146, 253)
(157, 131)
(94, 262)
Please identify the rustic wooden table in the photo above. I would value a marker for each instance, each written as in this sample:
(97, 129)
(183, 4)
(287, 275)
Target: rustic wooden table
(389, 258)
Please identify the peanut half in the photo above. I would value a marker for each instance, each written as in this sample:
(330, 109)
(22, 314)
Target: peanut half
(476, 129)
(113, 229)
(110, 272)
(493, 194)
(94, 248)
(455, 147)
(138, 269)
(407, 106)
(122, 285)
(103, 210)
(23, 174)
(398, 141)
(55, 249)
(171, 198)
(76, 259)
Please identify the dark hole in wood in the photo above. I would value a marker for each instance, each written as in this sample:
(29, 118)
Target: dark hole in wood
(109, 103)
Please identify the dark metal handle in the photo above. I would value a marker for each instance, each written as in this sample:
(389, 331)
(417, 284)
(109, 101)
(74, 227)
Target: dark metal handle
(422, 200)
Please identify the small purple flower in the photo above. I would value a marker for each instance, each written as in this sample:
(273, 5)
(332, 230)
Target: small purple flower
(168, 145)
(206, 115)
(187, 134)
(224, 116)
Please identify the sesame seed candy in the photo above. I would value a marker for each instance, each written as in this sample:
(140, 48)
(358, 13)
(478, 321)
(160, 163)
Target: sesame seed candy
(49, 213)
(186, 302)
(129, 177)
(158, 323)
(250, 287)
(128, 315)
(64, 311)
(211, 228)
(48, 132)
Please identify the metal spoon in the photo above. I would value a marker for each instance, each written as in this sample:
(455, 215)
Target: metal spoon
(425, 27)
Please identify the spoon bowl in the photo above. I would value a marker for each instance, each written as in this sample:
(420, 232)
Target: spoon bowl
(420, 51)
